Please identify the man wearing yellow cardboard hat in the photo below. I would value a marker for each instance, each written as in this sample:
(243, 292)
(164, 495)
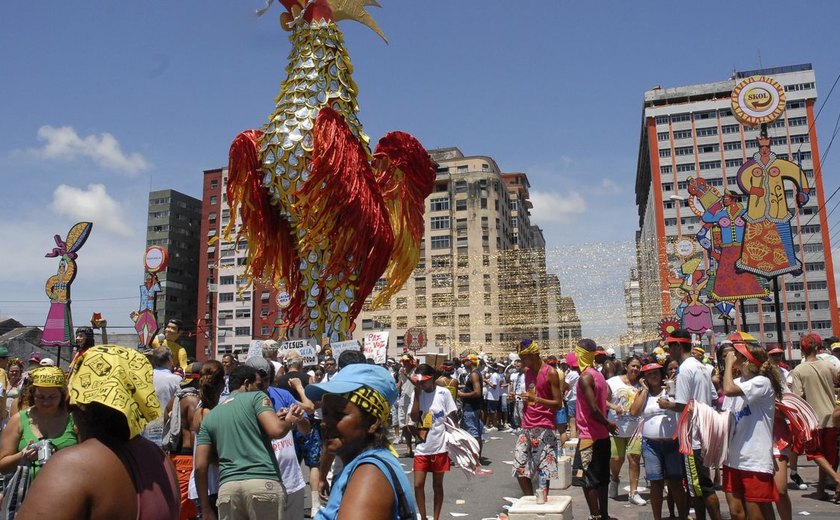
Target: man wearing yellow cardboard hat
(117, 474)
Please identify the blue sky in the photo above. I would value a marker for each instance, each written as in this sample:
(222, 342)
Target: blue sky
(103, 100)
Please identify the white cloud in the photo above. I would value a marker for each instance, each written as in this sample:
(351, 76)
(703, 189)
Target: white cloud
(64, 144)
(609, 186)
(551, 207)
(92, 205)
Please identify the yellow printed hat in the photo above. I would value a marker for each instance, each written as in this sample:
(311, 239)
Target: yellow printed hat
(117, 377)
(48, 377)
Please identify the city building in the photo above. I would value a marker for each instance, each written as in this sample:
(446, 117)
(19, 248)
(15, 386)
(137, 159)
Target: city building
(230, 312)
(630, 341)
(690, 131)
(173, 223)
(481, 282)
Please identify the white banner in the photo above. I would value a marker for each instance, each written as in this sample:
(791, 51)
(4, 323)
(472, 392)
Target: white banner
(301, 346)
(340, 346)
(376, 346)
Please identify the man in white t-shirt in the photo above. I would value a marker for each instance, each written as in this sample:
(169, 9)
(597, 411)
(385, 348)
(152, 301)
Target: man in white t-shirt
(516, 384)
(493, 384)
(430, 406)
(694, 382)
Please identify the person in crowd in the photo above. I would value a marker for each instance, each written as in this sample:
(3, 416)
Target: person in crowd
(317, 375)
(116, 473)
(625, 444)
(661, 451)
(813, 380)
(591, 467)
(351, 357)
(15, 375)
(430, 406)
(84, 340)
(446, 379)
(181, 452)
(777, 357)
(238, 434)
(561, 420)
(471, 400)
(749, 466)
(229, 362)
(406, 390)
(47, 419)
(694, 382)
(517, 388)
(34, 361)
(493, 384)
(356, 405)
(535, 452)
(570, 397)
(330, 369)
(166, 385)
(171, 334)
(270, 350)
(284, 448)
(211, 382)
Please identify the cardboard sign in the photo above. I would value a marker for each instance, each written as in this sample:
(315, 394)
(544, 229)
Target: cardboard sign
(340, 346)
(376, 346)
(255, 349)
(302, 347)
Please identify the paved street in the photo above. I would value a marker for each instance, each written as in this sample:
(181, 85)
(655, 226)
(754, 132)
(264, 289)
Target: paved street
(483, 496)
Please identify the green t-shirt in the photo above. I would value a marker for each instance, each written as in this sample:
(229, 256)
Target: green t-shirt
(243, 448)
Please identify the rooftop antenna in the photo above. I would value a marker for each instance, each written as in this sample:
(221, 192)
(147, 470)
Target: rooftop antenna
(760, 65)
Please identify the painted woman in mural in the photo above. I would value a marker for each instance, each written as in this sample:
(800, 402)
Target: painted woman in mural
(722, 237)
(768, 243)
(58, 329)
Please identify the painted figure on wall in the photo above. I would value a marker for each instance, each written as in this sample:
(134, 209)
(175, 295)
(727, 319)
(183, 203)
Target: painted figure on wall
(768, 243)
(58, 329)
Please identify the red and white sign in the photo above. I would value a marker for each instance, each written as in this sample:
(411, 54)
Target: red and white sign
(415, 338)
(155, 259)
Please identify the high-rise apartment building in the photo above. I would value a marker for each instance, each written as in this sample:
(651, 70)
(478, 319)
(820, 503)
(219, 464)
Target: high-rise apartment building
(173, 223)
(230, 311)
(691, 132)
(631, 341)
(481, 282)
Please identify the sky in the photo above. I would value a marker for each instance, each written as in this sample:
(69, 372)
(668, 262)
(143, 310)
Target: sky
(103, 101)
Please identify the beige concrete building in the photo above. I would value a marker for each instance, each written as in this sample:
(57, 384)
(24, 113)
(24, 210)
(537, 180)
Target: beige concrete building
(481, 282)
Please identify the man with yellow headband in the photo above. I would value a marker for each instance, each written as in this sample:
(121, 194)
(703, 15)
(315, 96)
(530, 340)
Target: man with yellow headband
(591, 468)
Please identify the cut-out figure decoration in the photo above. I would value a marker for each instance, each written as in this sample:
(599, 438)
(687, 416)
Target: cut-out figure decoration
(768, 244)
(145, 318)
(323, 216)
(58, 329)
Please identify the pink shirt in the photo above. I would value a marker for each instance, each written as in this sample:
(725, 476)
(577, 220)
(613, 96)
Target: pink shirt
(588, 427)
(538, 415)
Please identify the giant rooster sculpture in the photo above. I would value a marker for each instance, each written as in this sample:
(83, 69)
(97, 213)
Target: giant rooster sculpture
(324, 219)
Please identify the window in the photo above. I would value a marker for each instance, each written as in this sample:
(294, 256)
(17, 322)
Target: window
(464, 338)
(420, 320)
(703, 132)
(709, 165)
(794, 286)
(814, 266)
(461, 185)
(682, 134)
(733, 163)
(795, 104)
(226, 280)
(819, 305)
(488, 318)
(664, 170)
(214, 200)
(442, 320)
(684, 150)
(402, 322)
(243, 331)
(661, 120)
(819, 285)
(730, 129)
(226, 297)
(733, 145)
(488, 338)
(665, 152)
(461, 205)
(662, 136)
(796, 306)
(441, 280)
(668, 204)
(708, 148)
(243, 313)
(214, 184)
(678, 118)
(420, 302)
(667, 186)
(685, 167)
(402, 303)
(441, 204)
(463, 320)
(441, 261)
(440, 223)
(441, 242)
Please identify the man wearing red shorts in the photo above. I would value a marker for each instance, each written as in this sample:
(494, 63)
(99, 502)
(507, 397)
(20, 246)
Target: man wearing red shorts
(813, 380)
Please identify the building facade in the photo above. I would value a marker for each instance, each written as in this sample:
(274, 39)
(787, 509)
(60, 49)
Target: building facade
(690, 132)
(174, 223)
(481, 282)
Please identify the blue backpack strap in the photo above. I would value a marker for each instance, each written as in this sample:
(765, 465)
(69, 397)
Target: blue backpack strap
(403, 507)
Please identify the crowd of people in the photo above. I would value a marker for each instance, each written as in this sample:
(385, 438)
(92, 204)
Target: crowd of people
(151, 435)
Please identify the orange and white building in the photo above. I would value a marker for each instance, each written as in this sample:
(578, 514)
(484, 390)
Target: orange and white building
(690, 131)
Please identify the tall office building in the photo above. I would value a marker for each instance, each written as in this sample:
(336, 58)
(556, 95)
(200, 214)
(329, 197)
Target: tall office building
(691, 132)
(481, 282)
(230, 312)
(173, 223)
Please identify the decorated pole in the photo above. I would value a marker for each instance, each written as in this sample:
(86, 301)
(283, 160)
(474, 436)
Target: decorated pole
(58, 329)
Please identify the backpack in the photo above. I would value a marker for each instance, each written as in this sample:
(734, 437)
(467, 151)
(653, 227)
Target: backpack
(172, 432)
